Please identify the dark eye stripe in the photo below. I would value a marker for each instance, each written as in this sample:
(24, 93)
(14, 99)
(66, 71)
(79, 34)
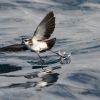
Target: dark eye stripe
(25, 40)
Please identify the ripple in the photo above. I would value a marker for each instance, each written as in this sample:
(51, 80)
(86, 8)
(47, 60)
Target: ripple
(82, 77)
(61, 91)
(6, 68)
(91, 92)
(6, 6)
(19, 85)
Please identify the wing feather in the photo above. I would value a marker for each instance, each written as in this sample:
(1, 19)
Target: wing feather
(46, 27)
(14, 48)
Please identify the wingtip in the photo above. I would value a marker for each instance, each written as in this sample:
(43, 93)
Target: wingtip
(51, 12)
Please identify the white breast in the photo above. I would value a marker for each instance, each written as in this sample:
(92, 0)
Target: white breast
(39, 46)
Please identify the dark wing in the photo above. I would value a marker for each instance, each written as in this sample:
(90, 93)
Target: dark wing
(14, 48)
(46, 27)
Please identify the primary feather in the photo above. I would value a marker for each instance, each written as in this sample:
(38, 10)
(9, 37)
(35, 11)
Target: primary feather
(45, 28)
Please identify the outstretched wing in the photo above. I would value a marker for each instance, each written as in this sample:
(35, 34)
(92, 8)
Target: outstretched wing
(46, 27)
(14, 48)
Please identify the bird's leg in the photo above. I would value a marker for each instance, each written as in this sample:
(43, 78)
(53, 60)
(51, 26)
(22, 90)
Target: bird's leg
(64, 57)
(56, 53)
(42, 62)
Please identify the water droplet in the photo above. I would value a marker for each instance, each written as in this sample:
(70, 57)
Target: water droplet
(65, 58)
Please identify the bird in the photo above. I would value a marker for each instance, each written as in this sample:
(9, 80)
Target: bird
(41, 40)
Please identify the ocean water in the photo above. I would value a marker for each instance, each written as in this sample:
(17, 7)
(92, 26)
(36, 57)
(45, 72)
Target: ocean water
(77, 31)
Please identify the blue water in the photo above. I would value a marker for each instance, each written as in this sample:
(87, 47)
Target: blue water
(77, 31)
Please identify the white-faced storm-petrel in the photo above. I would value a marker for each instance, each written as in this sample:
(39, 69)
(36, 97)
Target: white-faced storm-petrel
(41, 41)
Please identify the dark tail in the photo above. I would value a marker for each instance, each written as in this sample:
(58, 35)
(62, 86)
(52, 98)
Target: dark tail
(51, 43)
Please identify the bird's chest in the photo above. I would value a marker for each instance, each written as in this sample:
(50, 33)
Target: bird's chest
(39, 46)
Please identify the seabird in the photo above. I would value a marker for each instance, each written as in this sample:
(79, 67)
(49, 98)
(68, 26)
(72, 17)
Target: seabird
(41, 41)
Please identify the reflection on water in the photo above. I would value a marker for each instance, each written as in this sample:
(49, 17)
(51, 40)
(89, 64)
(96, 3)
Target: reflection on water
(19, 85)
(49, 79)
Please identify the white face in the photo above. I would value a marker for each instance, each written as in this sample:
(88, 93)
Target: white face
(26, 41)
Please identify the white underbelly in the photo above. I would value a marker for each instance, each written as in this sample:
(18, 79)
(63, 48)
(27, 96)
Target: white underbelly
(39, 46)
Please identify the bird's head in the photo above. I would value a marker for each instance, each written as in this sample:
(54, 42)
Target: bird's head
(27, 41)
